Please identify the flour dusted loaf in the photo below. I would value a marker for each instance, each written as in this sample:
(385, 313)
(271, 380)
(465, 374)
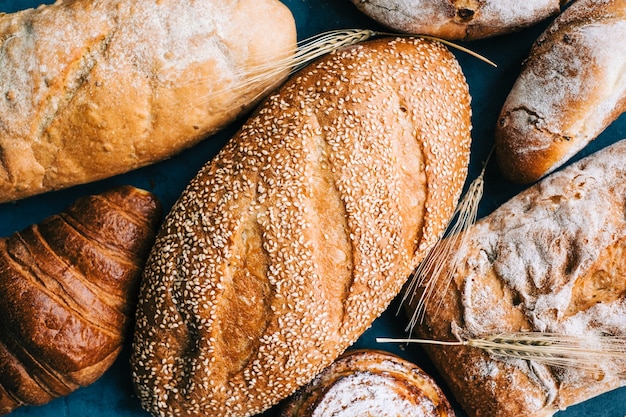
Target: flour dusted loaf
(68, 289)
(459, 19)
(572, 86)
(91, 89)
(549, 260)
(286, 246)
(369, 383)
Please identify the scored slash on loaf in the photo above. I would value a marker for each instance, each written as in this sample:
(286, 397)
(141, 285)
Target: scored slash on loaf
(285, 248)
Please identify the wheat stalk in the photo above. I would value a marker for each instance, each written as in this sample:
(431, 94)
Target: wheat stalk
(261, 77)
(584, 352)
(431, 275)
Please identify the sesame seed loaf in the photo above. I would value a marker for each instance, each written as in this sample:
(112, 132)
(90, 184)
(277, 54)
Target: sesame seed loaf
(369, 383)
(91, 89)
(572, 86)
(549, 260)
(282, 251)
(459, 19)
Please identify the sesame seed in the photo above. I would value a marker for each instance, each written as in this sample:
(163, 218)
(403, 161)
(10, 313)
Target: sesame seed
(363, 154)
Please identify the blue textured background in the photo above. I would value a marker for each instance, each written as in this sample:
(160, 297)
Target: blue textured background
(112, 395)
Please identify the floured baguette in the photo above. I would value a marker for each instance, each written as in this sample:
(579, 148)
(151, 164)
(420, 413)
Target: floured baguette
(572, 86)
(459, 19)
(369, 383)
(91, 89)
(285, 247)
(550, 260)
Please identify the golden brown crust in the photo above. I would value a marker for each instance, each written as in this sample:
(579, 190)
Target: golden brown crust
(570, 89)
(549, 260)
(67, 292)
(287, 245)
(373, 383)
(94, 89)
(459, 19)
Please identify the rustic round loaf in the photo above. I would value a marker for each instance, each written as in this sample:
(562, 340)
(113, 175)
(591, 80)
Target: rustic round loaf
(369, 383)
(459, 20)
(283, 250)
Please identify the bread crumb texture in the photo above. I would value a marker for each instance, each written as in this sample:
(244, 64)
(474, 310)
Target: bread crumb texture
(284, 248)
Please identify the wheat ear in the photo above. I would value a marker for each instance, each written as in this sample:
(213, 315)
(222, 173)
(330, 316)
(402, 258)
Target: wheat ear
(262, 77)
(431, 276)
(584, 352)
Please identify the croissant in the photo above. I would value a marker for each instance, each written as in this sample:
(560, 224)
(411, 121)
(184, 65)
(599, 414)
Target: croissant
(67, 288)
(373, 383)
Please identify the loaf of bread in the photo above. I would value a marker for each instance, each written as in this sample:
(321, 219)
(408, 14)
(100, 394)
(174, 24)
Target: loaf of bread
(68, 289)
(572, 86)
(369, 383)
(286, 246)
(459, 20)
(91, 89)
(550, 260)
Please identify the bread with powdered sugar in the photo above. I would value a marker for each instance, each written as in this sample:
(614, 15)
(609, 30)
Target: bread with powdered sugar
(550, 260)
(91, 89)
(572, 86)
(285, 248)
(370, 383)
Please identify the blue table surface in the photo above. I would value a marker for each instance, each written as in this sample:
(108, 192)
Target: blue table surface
(112, 395)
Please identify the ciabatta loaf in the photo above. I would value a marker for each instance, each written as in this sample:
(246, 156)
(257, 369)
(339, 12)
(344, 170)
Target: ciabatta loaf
(68, 289)
(285, 247)
(572, 86)
(369, 383)
(91, 89)
(459, 19)
(550, 261)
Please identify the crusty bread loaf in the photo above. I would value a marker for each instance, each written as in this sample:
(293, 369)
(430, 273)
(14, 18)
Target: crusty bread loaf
(285, 247)
(68, 289)
(549, 260)
(91, 89)
(572, 86)
(369, 383)
(459, 19)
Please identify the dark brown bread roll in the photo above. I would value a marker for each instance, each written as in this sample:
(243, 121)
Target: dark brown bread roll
(370, 383)
(285, 247)
(68, 288)
(572, 86)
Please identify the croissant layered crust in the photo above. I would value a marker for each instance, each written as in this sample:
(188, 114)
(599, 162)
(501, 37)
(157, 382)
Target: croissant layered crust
(67, 290)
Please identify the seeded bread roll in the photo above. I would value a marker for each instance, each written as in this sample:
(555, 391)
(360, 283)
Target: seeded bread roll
(369, 383)
(571, 88)
(91, 89)
(459, 19)
(283, 250)
(550, 260)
